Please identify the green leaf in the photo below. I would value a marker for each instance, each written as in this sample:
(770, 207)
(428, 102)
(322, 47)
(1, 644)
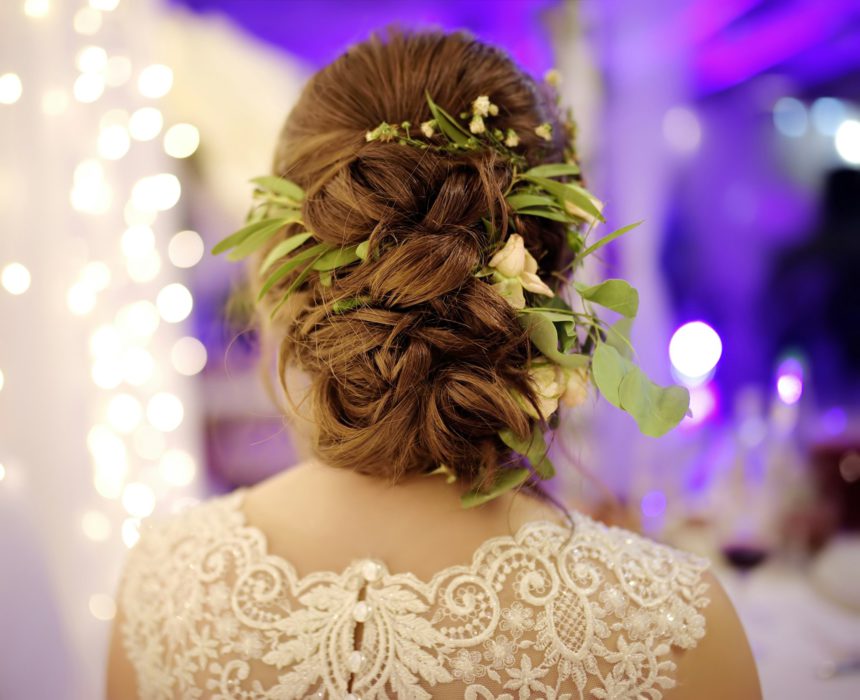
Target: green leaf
(568, 192)
(533, 449)
(362, 250)
(447, 124)
(656, 409)
(543, 334)
(256, 239)
(524, 199)
(617, 295)
(506, 480)
(291, 265)
(551, 314)
(284, 248)
(325, 278)
(618, 336)
(336, 258)
(236, 238)
(546, 213)
(296, 283)
(608, 239)
(553, 170)
(281, 186)
(342, 305)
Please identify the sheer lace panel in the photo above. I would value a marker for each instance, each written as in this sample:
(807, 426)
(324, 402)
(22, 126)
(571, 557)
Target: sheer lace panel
(209, 613)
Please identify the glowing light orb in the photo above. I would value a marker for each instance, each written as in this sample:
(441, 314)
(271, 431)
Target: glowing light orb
(188, 356)
(847, 141)
(96, 525)
(15, 278)
(185, 249)
(145, 123)
(694, 350)
(102, 607)
(181, 140)
(165, 412)
(138, 500)
(177, 467)
(11, 88)
(155, 80)
(790, 117)
(124, 413)
(174, 302)
(157, 192)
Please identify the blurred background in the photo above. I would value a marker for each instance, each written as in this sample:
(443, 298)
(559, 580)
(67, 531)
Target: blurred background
(128, 133)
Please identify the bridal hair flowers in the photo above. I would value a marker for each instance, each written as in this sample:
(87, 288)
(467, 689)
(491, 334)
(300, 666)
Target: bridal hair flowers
(573, 347)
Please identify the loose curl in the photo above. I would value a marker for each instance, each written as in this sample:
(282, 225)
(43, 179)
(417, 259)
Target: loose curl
(421, 374)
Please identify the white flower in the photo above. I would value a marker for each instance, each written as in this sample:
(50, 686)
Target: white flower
(511, 259)
(515, 269)
(588, 217)
(511, 138)
(544, 131)
(552, 77)
(427, 128)
(481, 106)
(548, 389)
(476, 126)
(493, 109)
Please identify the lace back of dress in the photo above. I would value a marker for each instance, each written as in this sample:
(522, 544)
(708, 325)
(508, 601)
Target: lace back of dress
(599, 613)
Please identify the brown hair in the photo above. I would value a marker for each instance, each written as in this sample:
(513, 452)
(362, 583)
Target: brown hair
(421, 374)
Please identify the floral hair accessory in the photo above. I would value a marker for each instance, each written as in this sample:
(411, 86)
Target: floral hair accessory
(572, 347)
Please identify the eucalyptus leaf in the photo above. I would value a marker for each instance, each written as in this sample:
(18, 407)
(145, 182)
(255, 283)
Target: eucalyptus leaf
(657, 409)
(553, 170)
(281, 186)
(284, 248)
(614, 294)
(543, 334)
(618, 336)
(506, 480)
(608, 239)
(608, 368)
(534, 449)
(291, 265)
(447, 124)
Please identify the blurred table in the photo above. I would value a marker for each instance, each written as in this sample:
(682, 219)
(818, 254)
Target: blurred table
(794, 632)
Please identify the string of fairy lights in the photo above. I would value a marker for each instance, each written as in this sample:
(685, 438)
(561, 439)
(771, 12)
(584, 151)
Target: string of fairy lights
(135, 316)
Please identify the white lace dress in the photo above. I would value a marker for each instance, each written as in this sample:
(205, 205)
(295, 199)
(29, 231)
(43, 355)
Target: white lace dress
(596, 613)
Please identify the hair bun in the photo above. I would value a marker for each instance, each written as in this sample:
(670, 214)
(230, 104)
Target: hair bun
(424, 372)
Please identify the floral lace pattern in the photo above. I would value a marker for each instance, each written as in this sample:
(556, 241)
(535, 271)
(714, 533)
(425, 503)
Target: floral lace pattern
(549, 613)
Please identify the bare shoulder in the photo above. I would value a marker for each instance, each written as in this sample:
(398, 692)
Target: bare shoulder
(721, 665)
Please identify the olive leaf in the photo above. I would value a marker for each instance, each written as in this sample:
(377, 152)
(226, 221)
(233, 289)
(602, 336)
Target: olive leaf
(295, 284)
(506, 479)
(337, 257)
(243, 233)
(290, 265)
(527, 199)
(614, 294)
(546, 213)
(618, 336)
(342, 305)
(656, 409)
(553, 170)
(608, 239)
(284, 248)
(281, 186)
(362, 250)
(447, 124)
(567, 192)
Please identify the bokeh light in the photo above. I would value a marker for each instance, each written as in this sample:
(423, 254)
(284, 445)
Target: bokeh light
(15, 278)
(165, 411)
(790, 117)
(188, 356)
(185, 249)
(177, 467)
(138, 500)
(155, 80)
(145, 123)
(181, 140)
(11, 88)
(847, 141)
(174, 302)
(695, 349)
